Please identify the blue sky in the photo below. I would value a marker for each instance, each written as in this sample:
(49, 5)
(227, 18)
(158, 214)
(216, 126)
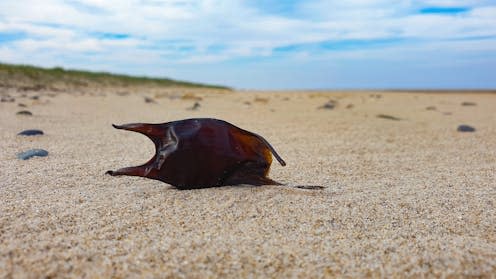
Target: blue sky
(257, 44)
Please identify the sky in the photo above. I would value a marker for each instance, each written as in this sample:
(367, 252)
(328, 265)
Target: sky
(257, 44)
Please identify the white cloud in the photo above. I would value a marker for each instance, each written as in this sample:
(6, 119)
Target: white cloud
(455, 3)
(234, 24)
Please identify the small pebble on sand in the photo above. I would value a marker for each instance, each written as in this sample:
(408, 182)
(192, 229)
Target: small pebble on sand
(32, 153)
(465, 128)
(329, 105)
(466, 104)
(389, 117)
(150, 100)
(31, 132)
(24, 112)
(195, 106)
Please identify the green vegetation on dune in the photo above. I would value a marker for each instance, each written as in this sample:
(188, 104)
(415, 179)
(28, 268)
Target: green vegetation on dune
(24, 75)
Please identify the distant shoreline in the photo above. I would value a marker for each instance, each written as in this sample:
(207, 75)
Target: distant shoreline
(426, 91)
(34, 77)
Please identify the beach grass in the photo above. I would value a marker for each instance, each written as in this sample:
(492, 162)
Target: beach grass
(39, 78)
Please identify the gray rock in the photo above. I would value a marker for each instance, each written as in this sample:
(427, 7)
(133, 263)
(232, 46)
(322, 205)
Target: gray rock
(465, 128)
(32, 153)
(32, 132)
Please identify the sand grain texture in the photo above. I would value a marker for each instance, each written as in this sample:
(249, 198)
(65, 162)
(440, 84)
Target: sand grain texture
(404, 198)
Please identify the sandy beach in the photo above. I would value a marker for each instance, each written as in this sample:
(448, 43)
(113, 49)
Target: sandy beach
(409, 197)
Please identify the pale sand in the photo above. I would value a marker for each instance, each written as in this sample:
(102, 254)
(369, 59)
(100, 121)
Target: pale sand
(403, 198)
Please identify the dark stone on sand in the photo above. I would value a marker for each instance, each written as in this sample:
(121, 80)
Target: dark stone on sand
(329, 105)
(32, 153)
(389, 117)
(431, 108)
(150, 100)
(468, 104)
(465, 128)
(195, 106)
(350, 106)
(22, 105)
(24, 112)
(32, 132)
(35, 97)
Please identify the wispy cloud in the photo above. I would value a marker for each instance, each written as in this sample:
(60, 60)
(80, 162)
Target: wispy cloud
(170, 37)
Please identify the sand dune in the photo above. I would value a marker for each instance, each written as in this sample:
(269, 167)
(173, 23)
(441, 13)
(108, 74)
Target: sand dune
(403, 198)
